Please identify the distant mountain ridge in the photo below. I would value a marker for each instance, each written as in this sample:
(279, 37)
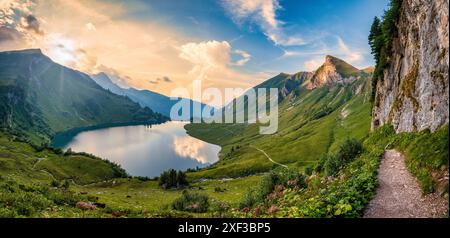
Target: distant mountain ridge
(146, 98)
(40, 98)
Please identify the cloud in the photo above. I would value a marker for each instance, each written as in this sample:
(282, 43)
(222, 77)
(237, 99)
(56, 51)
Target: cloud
(206, 56)
(264, 14)
(162, 79)
(167, 79)
(245, 57)
(90, 26)
(312, 65)
(351, 56)
(18, 24)
(9, 34)
(30, 22)
(211, 56)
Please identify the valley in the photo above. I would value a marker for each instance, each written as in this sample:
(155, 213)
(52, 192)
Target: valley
(85, 144)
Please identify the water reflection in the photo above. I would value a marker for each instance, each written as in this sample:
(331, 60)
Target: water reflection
(189, 147)
(144, 151)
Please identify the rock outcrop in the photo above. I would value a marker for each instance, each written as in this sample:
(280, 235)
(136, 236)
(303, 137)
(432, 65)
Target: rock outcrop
(413, 94)
(333, 71)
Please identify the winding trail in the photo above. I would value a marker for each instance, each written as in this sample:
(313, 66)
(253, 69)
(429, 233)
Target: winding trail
(399, 194)
(268, 157)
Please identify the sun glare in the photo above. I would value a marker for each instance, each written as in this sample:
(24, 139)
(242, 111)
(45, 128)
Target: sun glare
(62, 50)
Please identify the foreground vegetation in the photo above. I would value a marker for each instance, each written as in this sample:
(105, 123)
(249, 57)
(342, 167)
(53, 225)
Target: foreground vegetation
(43, 183)
(426, 156)
(46, 183)
(344, 182)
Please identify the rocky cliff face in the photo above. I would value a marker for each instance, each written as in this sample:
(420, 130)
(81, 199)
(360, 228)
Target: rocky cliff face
(413, 94)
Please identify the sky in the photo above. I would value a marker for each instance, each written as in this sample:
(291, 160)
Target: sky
(164, 44)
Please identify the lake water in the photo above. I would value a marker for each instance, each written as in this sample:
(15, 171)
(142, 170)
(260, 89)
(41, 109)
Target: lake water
(147, 151)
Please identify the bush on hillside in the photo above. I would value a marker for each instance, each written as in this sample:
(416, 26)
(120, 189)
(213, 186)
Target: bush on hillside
(348, 151)
(309, 170)
(191, 202)
(281, 177)
(24, 200)
(173, 179)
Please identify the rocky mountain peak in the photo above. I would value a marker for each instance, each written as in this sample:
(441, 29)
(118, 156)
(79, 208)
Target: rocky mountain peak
(332, 71)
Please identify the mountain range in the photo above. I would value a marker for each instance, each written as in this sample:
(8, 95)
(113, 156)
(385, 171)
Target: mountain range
(333, 72)
(317, 111)
(155, 101)
(40, 98)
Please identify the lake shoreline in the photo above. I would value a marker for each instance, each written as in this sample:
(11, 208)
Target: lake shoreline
(141, 149)
(61, 139)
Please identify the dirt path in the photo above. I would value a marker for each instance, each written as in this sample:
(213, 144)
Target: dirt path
(268, 157)
(399, 194)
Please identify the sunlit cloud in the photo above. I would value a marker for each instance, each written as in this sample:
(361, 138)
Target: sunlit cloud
(264, 14)
(91, 26)
(211, 62)
(245, 57)
(206, 57)
(312, 65)
(95, 36)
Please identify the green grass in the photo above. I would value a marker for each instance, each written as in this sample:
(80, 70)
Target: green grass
(427, 157)
(26, 186)
(344, 194)
(426, 154)
(309, 126)
(133, 194)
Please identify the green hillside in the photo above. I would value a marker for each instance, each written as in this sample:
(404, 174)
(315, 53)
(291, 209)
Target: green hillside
(310, 125)
(37, 182)
(39, 98)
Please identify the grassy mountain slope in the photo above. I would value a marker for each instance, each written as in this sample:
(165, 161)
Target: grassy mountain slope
(57, 98)
(310, 125)
(46, 183)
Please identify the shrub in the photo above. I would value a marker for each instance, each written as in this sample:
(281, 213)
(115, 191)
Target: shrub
(173, 179)
(348, 151)
(221, 210)
(320, 164)
(23, 200)
(309, 170)
(281, 176)
(219, 189)
(65, 184)
(332, 165)
(55, 183)
(191, 202)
